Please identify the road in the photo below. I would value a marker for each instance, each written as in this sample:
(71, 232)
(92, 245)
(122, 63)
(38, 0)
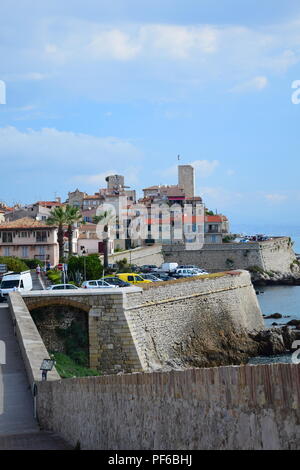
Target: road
(18, 427)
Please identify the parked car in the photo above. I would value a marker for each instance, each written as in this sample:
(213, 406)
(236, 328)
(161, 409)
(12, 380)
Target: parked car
(148, 268)
(198, 272)
(96, 284)
(184, 273)
(116, 282)
(133, 278)
(150, 277)
(164, 276)
(61, 286)
(188, 266)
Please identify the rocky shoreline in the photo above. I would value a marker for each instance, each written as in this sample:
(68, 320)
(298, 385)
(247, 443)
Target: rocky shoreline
(273, 278)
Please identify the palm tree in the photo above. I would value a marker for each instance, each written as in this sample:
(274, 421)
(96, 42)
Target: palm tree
(58, 217)
(73, 215)
(109, 218)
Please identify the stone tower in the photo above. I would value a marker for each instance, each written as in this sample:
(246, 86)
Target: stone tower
(115, 182)
(186, 179)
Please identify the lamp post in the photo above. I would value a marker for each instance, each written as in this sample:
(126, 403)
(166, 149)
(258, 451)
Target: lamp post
(83, 252)
(46, 366)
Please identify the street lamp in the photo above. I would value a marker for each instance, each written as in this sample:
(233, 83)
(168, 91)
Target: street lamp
(46, 366)
(84, 252)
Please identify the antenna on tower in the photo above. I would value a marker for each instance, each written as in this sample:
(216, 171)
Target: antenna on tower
(178, 157)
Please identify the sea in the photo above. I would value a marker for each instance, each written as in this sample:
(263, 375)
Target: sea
(275, 299)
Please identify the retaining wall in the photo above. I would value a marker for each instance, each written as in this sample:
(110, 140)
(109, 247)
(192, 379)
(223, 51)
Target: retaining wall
(240, 408)
(271, 255)
(30, 342)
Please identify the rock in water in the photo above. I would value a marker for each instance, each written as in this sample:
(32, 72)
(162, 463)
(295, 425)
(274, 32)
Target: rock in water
(274, 315)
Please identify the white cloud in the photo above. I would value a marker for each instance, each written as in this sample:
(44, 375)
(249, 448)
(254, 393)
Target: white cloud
(113, 45)
(62, 155)
(179, 42)
(276, 197)
(155, 61)
(230, 172)
(204, 168)
(255, 84)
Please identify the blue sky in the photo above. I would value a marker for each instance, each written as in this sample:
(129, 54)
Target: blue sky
(119, 86)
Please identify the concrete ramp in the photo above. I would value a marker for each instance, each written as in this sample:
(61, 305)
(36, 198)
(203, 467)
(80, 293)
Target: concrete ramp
(16, 403)
(18, 428)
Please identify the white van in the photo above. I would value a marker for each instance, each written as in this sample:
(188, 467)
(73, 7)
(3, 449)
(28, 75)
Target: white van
(19, 282)
(169, 267)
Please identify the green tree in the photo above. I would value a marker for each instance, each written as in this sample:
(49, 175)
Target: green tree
(58, 218)
(13, 264)
(89, 265)
(73, 215)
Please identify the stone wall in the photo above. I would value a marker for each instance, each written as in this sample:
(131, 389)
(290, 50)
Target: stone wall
(30, 342)
(238, 408)
(140, 256)
(196, 322)
(272, 255)
(188, 322)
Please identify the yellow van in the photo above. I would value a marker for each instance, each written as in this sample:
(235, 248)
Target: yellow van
(133, 278)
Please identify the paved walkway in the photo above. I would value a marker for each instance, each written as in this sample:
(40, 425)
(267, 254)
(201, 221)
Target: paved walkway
(41, 440)
(37, 282)
(18, 428)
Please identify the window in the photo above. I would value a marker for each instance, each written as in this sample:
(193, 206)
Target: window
(24, 251)
(7, 237)
(41, 236)
(42, 250)
(6, 251)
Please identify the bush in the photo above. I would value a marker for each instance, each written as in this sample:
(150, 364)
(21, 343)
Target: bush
(255, 269)
(91, 264)
(76, 343)
(54, 275)
(123, 266)
(228, 238)
(13, 264)
(33, 263)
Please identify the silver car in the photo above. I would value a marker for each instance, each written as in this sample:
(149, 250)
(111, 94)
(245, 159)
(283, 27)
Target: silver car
(97, 284)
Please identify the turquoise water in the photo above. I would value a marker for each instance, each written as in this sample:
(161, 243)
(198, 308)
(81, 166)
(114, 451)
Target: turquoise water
(281, 299)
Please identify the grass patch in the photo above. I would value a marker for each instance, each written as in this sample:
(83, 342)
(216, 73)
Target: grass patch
(187, 279)
(67, 368)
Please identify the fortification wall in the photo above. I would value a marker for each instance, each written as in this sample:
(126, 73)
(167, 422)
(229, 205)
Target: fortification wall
(189, 322)
(240, 408)
(140, 256)
(198, 322)
(272, 255)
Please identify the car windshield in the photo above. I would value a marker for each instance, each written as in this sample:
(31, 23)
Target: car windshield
(9, 284)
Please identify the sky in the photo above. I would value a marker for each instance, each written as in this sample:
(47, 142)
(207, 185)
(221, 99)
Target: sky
(97, 87)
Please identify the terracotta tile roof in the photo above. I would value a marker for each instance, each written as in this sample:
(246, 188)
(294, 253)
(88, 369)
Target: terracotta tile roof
(151, 187)
(213, 218)
(94, 196)
(49, 203)
(24, 223)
